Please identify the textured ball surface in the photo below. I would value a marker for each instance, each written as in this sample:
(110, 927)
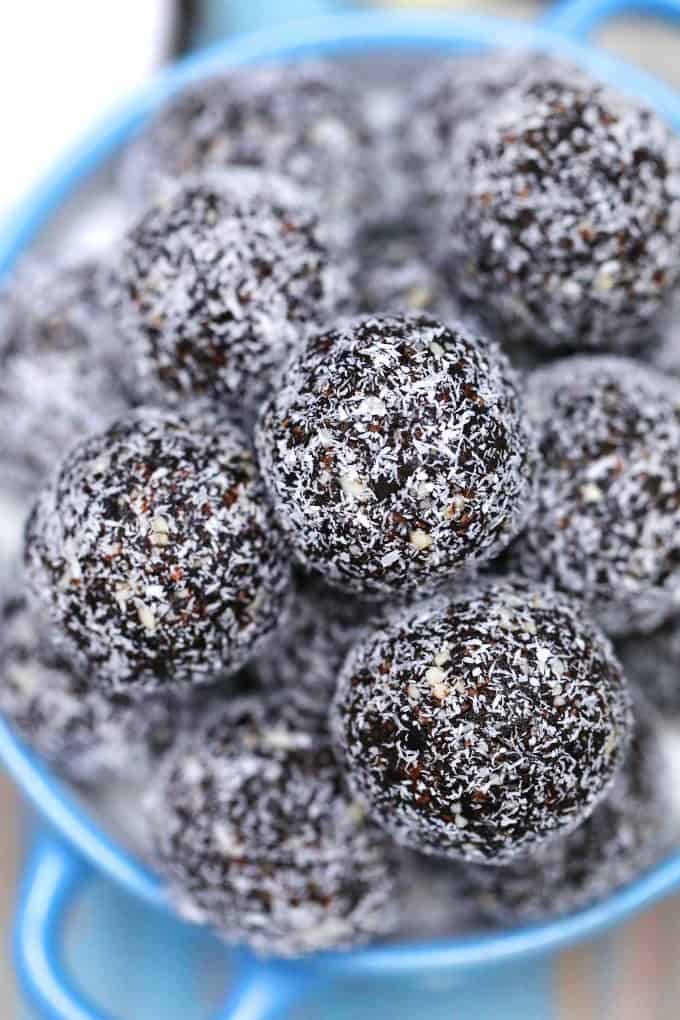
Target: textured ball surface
(89, 736)
(304, 121)
(451, 95)
(56, 378)
(216, 287)
(257, 837)
(397, 453)
(155, 553)
(566, 230)
(608, 519)
(305, 657)
(652, 664)
(626, 834)
(480, 727)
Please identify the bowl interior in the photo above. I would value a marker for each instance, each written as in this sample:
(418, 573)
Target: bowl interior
(397, 38)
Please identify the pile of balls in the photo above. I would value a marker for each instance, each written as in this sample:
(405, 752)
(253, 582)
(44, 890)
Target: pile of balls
(352, 477)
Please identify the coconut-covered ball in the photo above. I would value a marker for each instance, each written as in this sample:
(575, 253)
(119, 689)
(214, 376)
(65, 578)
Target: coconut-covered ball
(88, 735)
(652, 664)
(397, 453)
(449, 95)
(482, 726)
(216, 287)
(155, 553)
(305, 121)
(393, 277)
(563, 217)
(627, 833)
(57, 382)
(305, 657)
(607, 528)
(257, 837)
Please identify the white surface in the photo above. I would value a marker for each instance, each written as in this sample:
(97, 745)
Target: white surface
(64, 64)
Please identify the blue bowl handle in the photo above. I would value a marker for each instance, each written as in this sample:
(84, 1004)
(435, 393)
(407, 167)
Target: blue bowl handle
(578, 18)
(53, 881)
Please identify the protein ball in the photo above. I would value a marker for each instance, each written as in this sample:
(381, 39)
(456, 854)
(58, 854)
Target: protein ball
(607, 527)
(451, 95)
(216, 287)
(305, 658)
(155, 553)
(567, 228)
(305, 121)
(256, 836)
(397, 453)
(626, 834)
(57, 382)
(652, 664)
(89, 736)
(483, 726)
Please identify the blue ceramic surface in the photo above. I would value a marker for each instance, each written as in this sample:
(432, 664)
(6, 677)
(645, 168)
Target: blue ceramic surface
(74, 846)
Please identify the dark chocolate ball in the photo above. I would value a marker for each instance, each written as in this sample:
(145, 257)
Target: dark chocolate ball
(90, 736)
(256, 836)
(563, 217)
(627, 833)
(397, 453)
(482, 726)
(305, 121)
(607, 528)
(57, 381)
(216, 287)
(155, 553)
(448, 99)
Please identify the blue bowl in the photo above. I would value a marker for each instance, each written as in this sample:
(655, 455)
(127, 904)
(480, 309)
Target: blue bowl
(75, 844)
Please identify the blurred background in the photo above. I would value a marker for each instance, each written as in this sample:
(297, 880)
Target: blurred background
(63, 65)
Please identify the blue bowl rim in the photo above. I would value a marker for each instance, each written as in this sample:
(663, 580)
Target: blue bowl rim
(330, 35)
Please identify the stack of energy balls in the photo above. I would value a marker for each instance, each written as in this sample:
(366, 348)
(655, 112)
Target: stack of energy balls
(356, 538)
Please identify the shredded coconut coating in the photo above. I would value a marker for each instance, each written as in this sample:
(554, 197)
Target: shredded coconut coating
(480, 727)
(567, 228)
(256, 836)
(394, 277)
(305, 121)
(450, 95)
(607, 528)
(305, 657)
(156, 555)
(626, 834)
(215, 288)
(57, 382)
(91, 737)
(397, 453)
(652, 665)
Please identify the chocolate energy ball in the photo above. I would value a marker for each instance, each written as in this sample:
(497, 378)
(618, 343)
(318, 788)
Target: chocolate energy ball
(566, 228)
(397, 453)
(155, 553)
(88, 735)
(483, 726)
(607, 528)
(452, 94)
(305, 121)
(57, 381)
(256, 836)
(305, 657)
(217, 286)
(652, 664)
(627, 833)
